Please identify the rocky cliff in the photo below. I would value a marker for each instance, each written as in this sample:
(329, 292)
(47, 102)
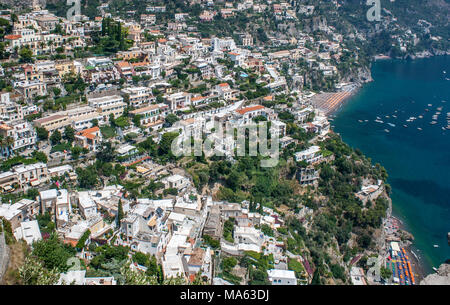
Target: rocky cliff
(441, 277)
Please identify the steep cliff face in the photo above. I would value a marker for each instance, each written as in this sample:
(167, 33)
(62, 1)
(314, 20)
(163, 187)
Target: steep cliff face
(441, 277)
(27, 3)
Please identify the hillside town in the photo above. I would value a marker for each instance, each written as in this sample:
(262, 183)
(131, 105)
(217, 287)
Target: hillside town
(89, 110)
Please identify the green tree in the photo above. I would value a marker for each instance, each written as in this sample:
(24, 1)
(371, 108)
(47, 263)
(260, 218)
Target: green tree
(42, 133)
(69, 134)
(55, 138)
(40, 156)
(33, 272)
(386, 273)
(119, 212)
(53, 253)
(26, 55)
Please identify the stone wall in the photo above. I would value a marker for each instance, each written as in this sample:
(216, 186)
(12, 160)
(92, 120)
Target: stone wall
(4, 256)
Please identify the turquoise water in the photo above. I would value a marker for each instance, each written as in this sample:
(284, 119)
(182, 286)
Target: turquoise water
(417, 161)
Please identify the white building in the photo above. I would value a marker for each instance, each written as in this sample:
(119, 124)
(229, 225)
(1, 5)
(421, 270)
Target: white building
(310, 155)
(282, 277)
(107, 105)
(139, 96)
(87, 206)
(28, 231)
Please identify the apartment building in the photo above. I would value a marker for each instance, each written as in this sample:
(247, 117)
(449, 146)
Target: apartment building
(53, 122)
(22, 135)
(31, 89)
(89, 138)
(107, 105)
(150, 116)
(139, 96)
(179, 101)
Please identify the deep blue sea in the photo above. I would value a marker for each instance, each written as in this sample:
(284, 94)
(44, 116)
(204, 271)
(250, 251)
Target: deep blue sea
(417, 161)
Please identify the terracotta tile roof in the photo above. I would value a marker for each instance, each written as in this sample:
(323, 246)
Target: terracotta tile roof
(123, 64)
(139, 64)
(89, 136)
(89, 130)
(197, 98)
(89, 133)
(196, 258)
(13, 37)
(248, 109)
(147, 108)
(50, 118)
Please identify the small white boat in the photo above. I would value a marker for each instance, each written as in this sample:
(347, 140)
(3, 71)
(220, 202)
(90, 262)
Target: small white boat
(392, 125)
(435, 269)
(419, 128)
(386, 130)
(436, 246)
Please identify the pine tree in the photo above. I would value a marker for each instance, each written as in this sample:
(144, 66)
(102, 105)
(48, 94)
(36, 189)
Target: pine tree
(103, 26)
(119, 213)
(316, 278)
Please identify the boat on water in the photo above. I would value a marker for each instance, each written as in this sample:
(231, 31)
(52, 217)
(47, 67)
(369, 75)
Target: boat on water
(436, 246)
(360, 121)
(419, 128)
(433, 122)
(427, 109)
(379, 121)
(430, 105)
(435, 269)
(420, 116)
(392, 125)
(386, 130)
(439, 108)
(387, 116)
(406, 126)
